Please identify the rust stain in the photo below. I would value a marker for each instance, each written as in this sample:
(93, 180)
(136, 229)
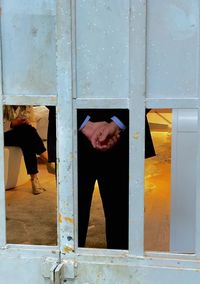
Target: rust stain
(60, 218)
(67, 249)
(136, 135)
(69, 220)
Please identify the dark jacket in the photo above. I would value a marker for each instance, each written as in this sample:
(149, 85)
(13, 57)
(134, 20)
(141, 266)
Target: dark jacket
(123, 115)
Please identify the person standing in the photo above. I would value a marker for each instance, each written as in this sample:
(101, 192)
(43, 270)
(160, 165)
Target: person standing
(103, 155)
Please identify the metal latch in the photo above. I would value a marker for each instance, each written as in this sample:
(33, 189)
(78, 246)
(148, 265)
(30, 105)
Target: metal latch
(58, 272)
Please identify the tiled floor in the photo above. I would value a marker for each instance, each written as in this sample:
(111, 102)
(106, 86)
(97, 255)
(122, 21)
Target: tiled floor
(32, 219)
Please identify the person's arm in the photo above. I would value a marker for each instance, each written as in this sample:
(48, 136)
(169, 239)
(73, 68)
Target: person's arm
(118, 122)
(90, 129)
(6, 125)
(102, 135)
(83, 124)
(107, 136)
(8, 119)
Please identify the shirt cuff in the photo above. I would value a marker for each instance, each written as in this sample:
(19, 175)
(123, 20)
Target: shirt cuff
(84, 122)
(118, 122)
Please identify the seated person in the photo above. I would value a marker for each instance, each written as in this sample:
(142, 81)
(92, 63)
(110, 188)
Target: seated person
(19, 131)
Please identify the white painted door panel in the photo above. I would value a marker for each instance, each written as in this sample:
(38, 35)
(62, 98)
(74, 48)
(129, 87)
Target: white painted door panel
(172, 49)
(114, 53)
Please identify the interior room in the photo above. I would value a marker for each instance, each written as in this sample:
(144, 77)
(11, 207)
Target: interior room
(31, 219)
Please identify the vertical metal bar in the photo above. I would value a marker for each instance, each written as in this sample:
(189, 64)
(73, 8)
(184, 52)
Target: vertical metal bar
(197, 231)
(173, 172)
(64, 126)
(75, 138)
(137, 126)
(2, 183)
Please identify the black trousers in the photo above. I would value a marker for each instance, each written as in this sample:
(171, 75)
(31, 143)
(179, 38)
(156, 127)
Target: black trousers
(27, 138)
(111, 170)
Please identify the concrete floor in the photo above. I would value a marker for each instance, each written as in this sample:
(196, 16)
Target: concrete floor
(31, 219)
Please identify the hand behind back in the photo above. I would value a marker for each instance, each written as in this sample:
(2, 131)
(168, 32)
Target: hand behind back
(102, 135)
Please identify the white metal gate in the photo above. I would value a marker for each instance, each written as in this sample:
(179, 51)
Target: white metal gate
(28, 76)
(151, 50)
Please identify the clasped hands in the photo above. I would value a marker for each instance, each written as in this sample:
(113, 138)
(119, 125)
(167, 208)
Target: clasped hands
(102, 135)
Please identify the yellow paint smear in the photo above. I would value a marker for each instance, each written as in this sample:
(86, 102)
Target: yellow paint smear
(67, 249)
(136, 135)
(60, 218)
(69, 220)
